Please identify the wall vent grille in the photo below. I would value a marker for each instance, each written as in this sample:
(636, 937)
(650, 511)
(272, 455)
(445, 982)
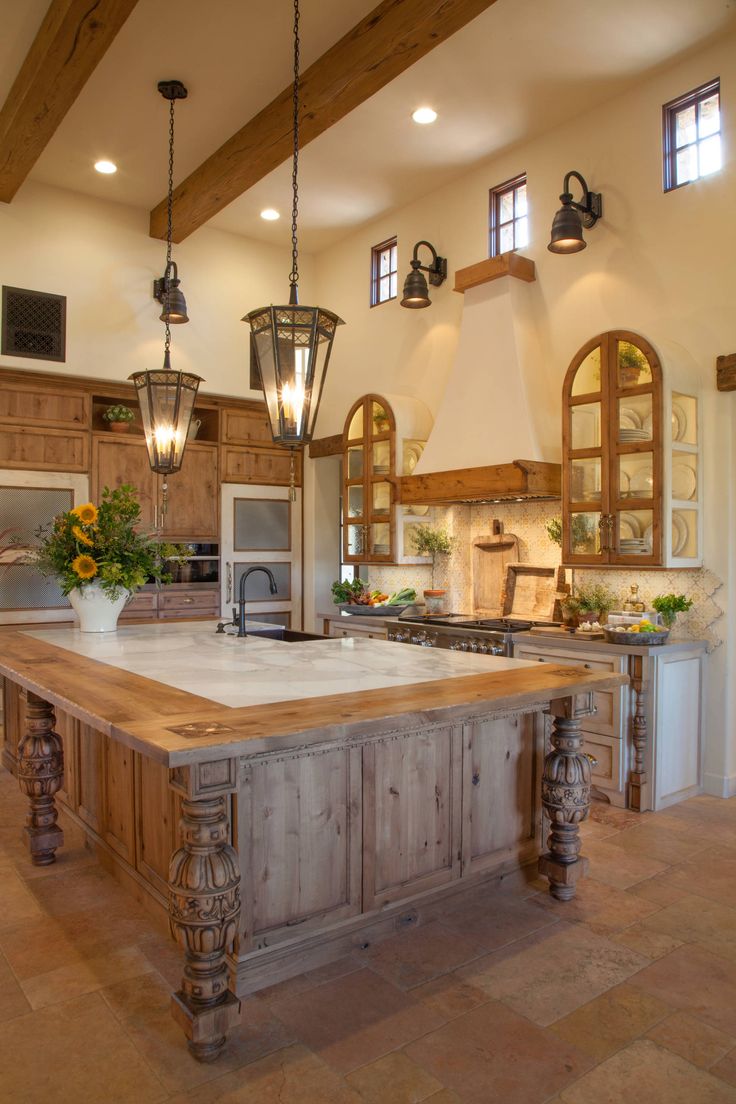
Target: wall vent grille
(34, 324)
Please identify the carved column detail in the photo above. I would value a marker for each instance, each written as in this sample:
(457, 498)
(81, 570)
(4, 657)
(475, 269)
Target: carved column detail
(204, 906)
(40, 775)
(639, 734)
(566, 800)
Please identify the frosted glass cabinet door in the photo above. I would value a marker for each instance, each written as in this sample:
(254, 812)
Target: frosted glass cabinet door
(262, 528)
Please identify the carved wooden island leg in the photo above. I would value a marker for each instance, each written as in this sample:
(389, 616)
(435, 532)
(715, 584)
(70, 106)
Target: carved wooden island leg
(565, 799)
(40, 775)
(639, 735)
(204, 907)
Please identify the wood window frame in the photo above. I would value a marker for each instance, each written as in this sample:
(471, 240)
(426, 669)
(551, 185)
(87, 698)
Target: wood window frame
(670, 111)
(377, 252)
(494, 213)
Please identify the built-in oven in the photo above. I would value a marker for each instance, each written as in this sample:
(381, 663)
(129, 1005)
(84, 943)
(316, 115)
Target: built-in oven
(202, 565)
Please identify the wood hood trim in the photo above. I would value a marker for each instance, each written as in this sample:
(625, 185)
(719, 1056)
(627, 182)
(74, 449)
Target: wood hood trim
(521, 479)
(506, 264)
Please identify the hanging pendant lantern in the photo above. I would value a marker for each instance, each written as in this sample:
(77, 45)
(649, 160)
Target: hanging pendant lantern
(166, 397)
(293, 343)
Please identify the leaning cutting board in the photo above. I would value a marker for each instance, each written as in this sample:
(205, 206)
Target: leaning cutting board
(491, 555)
(532, 593)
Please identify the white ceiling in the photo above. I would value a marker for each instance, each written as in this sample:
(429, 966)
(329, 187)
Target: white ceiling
(518, 69)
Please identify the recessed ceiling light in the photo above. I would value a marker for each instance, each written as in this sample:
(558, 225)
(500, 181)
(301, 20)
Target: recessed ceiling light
(106, 167)
(424, 115)
(269, 214)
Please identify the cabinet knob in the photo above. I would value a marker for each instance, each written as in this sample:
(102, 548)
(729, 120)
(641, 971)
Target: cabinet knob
(189, 601)
(586, 666)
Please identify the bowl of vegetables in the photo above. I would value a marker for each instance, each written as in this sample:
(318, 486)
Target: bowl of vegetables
(357, 598)
(642, 633)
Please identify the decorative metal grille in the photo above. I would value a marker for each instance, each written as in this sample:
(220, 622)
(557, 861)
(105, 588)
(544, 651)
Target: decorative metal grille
(34, 324)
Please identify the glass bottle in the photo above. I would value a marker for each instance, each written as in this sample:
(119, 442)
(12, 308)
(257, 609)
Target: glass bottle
(633, 603)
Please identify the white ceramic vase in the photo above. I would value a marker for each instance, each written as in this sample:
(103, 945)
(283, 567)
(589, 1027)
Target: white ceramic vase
(97, 612)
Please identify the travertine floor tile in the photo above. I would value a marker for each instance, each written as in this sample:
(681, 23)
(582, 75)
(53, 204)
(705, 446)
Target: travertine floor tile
(697, 920)
(657, 890)
(609, 1022)
(695, 980)
(12, 1000)
(395, 1079)
(309, 980)
(84, 976)
(654, 841)
(17, 903)
(414, 957)
(89, 888)
(710, 875)
(603, 908)
(449, 996)
(142, 1007)
(292, 1076)
(70, 1053)
(549, 974)
(726, 1068)
(496, 920)
(615, 866)
(650, 943)
(692, 1039)
(356, 1019)
(493, 1056)
(445, 1096)
(603, 813)
(644, 1071)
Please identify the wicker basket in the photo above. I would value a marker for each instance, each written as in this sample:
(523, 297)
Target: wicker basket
(619, 636)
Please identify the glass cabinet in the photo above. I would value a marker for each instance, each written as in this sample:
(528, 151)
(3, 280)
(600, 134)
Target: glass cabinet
(631, 476)
(369, 461)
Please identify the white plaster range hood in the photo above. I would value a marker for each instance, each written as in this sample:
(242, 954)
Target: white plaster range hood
(492, 413)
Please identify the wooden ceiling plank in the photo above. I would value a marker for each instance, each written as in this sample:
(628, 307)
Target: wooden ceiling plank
(72, 39)
(380, 47)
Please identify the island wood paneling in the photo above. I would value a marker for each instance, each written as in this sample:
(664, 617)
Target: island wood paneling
(157, 813)
(119, 803)
(91, 777)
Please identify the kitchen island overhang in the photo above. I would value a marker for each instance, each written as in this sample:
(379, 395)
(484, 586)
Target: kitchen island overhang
(343, 807)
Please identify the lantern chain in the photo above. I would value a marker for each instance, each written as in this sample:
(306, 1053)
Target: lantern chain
(169, 230)
(294, 275)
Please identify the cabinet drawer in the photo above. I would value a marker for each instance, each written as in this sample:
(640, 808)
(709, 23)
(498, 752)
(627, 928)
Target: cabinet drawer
(607, 719)
(201, 601)
(364, 634)
(141, 605)
(608, 772)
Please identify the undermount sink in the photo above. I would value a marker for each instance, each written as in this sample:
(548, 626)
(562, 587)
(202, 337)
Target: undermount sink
(289, 636)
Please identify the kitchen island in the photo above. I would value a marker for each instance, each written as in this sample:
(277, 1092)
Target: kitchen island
(327, 792)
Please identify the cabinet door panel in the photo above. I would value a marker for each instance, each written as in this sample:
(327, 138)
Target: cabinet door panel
(66, 727)
(24, 404)
(119, 805)
(260, 465)
(157, 821)
(411, 814)
(90, 777)
(117, 461)
(246, 427)
(193, 506)
(499, 791)
(39, 449)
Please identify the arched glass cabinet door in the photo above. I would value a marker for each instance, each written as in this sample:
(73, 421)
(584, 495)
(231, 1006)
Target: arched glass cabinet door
(369, 462)
(612, 453)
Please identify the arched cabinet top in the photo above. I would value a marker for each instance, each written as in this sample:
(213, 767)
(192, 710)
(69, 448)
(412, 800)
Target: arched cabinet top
(618, 359)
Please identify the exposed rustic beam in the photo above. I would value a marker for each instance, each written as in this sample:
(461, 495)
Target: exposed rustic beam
(389, 40)
(519, 479)
(506, 264)
(72, 39)
(726, 372)
(326, 446)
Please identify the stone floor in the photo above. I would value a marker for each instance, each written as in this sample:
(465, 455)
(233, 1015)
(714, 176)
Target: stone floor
(627, 993)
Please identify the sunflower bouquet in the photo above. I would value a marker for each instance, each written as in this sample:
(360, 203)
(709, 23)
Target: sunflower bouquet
(100, 544)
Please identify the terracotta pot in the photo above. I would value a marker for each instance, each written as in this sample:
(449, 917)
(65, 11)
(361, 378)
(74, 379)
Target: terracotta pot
(628, 374)
(119, 427)
(434, 600)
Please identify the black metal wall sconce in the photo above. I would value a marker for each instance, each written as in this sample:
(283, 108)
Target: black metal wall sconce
(416, 292)
(166, 292)
(568, 223)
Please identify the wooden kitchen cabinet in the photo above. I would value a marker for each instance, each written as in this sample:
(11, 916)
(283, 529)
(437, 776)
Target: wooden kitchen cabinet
(369, 462)
(263, 466)
(117, 460)
(193, 508)
(631, 476)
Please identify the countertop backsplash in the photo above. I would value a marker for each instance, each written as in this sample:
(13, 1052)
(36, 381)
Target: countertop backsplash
(528, 521)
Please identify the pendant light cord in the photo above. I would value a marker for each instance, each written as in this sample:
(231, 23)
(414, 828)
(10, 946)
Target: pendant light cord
(169, 232)
(294, 275)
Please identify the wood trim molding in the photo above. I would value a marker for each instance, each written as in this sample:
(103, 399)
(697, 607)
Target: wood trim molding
(72, 39)
(506, 264)
(726, 372)
(375, 51)
(519, 479)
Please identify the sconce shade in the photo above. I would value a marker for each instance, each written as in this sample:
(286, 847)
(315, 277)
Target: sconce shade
(292, 347)
(567, 231)
(416, 292)
(174, 304)
(166, 400)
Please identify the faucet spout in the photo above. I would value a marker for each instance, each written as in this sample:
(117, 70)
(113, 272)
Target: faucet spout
(241, 593)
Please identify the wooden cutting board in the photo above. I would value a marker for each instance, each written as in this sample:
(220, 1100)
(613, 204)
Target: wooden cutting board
(532, 592)
(491, 555)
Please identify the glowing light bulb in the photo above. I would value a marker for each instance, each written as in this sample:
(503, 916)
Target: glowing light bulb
(293, 398)
(107, 168)
(270, 214)
(424, 115)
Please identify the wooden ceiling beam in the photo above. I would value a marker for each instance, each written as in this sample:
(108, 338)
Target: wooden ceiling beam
(385, 43)
(72, 39)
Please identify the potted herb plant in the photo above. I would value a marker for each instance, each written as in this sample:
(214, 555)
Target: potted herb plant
(100, 559)
(119, 418)
(594, 602)
(433, 541)
(669, 605)
(381, 422)
(631, 363)
(580, 531)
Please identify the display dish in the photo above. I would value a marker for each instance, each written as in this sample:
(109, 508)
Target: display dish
(358, 610)
(621, 636)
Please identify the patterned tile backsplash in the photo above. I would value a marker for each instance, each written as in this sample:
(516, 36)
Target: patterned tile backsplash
(528, 520)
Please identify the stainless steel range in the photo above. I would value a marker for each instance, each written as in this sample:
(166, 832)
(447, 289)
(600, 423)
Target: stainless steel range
(460, 632)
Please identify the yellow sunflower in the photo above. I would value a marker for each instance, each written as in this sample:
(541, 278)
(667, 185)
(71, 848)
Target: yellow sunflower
(82, 536)
(85, 567)
(87, 513)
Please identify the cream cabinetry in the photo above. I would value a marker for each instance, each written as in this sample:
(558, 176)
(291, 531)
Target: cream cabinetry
(343, 626)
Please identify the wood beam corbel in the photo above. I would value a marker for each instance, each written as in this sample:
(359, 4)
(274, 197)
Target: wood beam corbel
(385, 43)
(73, 37)
(726, 372)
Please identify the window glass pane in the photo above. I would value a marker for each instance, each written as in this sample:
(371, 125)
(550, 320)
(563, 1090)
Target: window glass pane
(685, 129)
(393, 258)
(356, 425)
(355, 463)
(385, 261)
(588, 376)
(355, 500)
(506, 207)
(636, 475)
(634, 532)
(586, 426)
(381, 457)
(710, 155)
(687, 165)
(709, 116)
(380, 539)
(261, 524)
(633, 366)
(585, 480)
(356, 543)
(393, 286)
(634, 419)
(383, 288)
(521, 207)
(381, 498)
(585, 533)
(522, 232)
(506, 238)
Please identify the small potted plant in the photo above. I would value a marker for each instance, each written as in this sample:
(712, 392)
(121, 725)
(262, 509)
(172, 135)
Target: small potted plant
(580, 531)
(669, 605)
(594, 602)
(570, 612)
(631, 363)
(119, 418)
(380, 421)
(433, 541)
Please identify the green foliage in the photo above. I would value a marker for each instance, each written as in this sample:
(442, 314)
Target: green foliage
(630, 357)
(102, 543)
(118, 413)
(580, 527)
(596, 598)
(348, 592)
(669, 605)
(432, 541)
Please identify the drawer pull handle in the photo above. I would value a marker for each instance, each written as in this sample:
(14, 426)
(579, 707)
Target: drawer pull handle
(189, 601)
(591, 759)
(586, 666)
(540, 659)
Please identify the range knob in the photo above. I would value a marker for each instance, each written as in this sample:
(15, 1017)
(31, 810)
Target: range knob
(464, 646)
(474, 646)
(483, 649)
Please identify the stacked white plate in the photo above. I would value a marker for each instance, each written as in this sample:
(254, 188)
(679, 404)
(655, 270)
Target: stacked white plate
(625, 435)
(634, 546)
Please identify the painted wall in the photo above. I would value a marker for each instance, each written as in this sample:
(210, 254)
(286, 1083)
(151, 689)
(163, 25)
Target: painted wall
(661, 265)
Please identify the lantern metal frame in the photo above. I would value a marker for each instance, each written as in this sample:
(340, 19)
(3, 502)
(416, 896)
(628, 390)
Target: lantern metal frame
(568, 223)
